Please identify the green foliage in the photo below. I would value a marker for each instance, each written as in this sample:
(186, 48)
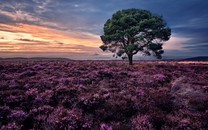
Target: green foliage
(104, 48)
(154, 47)
(120, 53)
(133, 31)
(131, 48)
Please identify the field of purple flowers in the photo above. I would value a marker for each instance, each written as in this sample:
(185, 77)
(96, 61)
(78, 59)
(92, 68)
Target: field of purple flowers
(105, 95)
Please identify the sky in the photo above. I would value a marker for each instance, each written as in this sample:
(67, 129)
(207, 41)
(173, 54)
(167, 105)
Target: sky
(72, 28)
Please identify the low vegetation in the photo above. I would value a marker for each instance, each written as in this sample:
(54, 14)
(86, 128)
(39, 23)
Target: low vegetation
(103, 95)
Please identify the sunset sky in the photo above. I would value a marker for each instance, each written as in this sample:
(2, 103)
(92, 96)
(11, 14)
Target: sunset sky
(72, 28)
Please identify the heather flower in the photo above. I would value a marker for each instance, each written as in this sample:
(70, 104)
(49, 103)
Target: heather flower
(142, 123)
(159, 77)
(6, 76)
(64, 81)
(28, 86)
(11, 126)
(91, 102)
(38, 67)
(185, 124)
(105, 127)
(44, 98)
(82, 87)
(18, 115)
(140, 92)
(62, 118)
(32, 92)
(13, 83)
(27, 73)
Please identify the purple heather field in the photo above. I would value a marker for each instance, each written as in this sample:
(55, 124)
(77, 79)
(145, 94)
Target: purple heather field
(103, 95)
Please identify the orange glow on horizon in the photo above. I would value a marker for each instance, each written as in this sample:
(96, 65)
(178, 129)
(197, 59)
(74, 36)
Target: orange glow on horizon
(33, 38)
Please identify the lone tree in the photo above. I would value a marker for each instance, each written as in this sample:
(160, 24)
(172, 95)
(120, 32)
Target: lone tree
(133, 30)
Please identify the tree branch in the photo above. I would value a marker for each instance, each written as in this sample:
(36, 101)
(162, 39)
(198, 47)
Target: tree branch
(139, 49)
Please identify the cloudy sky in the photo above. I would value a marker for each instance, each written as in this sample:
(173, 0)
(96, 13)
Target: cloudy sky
(71, 28)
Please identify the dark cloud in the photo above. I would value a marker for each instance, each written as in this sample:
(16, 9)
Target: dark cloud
(5, 19)
(200, 47)
(27, 40)
(36, 42)
(61, 43)
(6, 29)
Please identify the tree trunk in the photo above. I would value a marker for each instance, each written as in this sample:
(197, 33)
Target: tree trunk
(130, 56)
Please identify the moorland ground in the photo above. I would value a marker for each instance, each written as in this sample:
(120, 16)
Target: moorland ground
(103, 95)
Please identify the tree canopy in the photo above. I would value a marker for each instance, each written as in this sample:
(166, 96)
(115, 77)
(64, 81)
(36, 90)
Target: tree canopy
(133, 30)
